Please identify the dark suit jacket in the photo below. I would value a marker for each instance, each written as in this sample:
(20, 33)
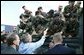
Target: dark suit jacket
(9, 50)
(60, 49)
(3, 45)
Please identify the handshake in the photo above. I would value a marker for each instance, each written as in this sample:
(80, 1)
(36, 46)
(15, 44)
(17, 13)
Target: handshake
(45, 32)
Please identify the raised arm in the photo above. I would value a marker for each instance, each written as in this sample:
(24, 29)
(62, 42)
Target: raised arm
(41, 41)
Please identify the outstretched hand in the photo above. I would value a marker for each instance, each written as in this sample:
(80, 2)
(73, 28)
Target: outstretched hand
(45, 32)
(61, 32)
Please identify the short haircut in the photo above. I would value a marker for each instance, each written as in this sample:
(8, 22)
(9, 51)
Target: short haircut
(37, 13)
(58, 36)
(10, 38)
(79, 2)
(51, 11)
(71, 1)
(39, 8)
(23, 6)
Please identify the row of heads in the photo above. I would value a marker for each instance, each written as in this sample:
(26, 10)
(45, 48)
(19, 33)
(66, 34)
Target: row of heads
(79, 2)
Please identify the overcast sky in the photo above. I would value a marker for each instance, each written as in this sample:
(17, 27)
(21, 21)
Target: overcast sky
(10, 10)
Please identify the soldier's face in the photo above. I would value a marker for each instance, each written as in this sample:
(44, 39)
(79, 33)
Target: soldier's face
(71, 3)
(60, 7)
(78, 4)
(41, 10)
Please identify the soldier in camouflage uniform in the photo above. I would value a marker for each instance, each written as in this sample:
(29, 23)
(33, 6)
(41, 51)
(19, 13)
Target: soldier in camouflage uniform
(39, 22)
(79, 9)
(56, 24)
(25, 23)
(69, 11)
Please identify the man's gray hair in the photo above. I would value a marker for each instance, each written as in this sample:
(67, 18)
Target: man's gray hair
(58, 36)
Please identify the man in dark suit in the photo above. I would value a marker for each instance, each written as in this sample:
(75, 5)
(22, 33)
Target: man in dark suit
(58, 47)
(12, 43)
(3, 41)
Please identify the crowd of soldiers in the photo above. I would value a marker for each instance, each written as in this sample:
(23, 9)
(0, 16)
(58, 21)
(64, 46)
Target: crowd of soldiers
(66, 22)
(56, 20)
